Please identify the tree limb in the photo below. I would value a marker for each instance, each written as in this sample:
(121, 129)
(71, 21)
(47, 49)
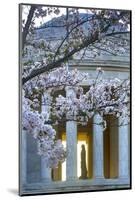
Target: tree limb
(117, 33)
(57, 63)
(27, 25)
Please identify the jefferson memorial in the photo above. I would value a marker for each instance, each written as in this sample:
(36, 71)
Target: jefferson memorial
(97, 159)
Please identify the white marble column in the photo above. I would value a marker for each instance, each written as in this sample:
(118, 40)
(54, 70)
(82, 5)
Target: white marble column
(71, 143)
(23, 164)
(123, 150)
(45, 172)
(71, 161)
(98, 161)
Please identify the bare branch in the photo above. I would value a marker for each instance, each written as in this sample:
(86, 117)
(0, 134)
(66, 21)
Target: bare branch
(27, 25)
(117, 33)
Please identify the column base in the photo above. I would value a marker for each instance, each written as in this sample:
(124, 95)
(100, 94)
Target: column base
(72, 179)
(98, 177)
(46, 180)
(123, 177)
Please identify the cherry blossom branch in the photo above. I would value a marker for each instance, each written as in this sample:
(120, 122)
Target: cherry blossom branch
(58, 62)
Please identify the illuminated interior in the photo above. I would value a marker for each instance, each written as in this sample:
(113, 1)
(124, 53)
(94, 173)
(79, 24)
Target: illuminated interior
(82, 140)
(79, 144)
(85, 137)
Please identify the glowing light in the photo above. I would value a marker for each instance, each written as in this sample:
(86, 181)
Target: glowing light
(79, 144)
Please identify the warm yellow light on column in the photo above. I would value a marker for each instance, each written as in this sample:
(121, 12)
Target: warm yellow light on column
(64, 165)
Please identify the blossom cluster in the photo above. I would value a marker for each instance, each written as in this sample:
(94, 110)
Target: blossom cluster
(48, 146)
(55, 80)
(35, 122)
(105, 97)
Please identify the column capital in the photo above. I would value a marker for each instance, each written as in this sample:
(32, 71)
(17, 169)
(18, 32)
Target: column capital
(70, 90)
(98, 120)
